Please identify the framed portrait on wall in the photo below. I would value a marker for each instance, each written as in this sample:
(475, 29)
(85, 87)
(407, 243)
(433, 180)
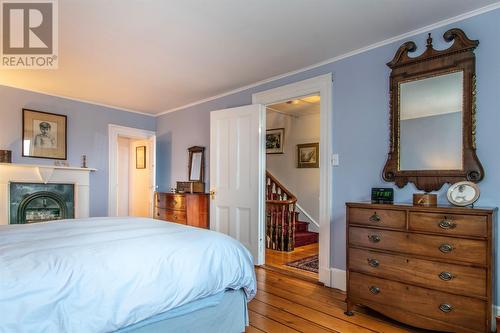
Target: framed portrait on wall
(275, 140)
(140, 157)
(308, 155)
(44, 135)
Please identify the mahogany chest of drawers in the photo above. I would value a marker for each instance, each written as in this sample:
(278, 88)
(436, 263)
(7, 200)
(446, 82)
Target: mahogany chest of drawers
(429, 267)
(188, 209)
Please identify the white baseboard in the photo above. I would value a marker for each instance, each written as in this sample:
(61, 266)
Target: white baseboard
(338, 279)
(495, 313)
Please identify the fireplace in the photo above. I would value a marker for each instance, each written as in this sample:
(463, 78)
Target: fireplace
(34, 202)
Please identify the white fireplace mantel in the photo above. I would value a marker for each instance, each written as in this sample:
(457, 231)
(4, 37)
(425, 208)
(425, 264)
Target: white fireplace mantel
(45, 174)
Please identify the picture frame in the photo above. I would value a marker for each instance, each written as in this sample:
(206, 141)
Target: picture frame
(275, 141)
(140, 157)
(308, 155)
(44, 135)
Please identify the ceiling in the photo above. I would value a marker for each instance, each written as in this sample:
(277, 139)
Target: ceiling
(152, 55)
(298, 107)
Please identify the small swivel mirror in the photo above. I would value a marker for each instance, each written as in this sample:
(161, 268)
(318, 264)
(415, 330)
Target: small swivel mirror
(196, 163)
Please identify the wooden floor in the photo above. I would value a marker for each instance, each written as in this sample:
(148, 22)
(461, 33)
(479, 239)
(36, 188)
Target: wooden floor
(278, 259)
(288, 304)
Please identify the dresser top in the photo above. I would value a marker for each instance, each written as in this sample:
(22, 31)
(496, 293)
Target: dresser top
(409, 206)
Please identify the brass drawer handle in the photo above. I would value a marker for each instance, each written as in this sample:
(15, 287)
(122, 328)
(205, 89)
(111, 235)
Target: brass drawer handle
(446, 276)
(374, 290)
(445, 248)
(446, 308)
(375, 218)
(373, 262)
(447, 224)
(173, 203)
(374, 238)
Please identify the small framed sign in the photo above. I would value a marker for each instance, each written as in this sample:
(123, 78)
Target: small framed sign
(140, 157)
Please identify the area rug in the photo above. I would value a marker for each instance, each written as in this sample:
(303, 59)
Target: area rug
(309, 264)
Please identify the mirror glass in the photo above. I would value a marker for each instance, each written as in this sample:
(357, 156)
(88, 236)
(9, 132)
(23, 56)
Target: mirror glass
(431, 112)
(195, 172)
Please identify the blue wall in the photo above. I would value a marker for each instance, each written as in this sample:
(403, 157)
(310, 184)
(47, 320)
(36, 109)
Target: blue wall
(87, 134)
(360, 122)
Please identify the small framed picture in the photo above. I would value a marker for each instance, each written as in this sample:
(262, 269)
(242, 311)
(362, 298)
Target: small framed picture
(308, 155)
(44, 135)
(140, 157)
(275, 140)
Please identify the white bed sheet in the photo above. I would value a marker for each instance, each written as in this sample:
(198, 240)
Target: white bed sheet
(102, 274)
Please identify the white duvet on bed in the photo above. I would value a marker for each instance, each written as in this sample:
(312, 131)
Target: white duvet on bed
(101, 274)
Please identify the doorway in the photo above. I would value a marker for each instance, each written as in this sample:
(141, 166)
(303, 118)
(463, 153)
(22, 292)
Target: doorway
(322, 87)
(131, 171)
(293, 186)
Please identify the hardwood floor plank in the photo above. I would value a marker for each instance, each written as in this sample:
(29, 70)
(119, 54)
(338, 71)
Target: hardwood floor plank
(251, 329)
(331, 308)
(268, 325)
(316, 316)
(288, 319)
(266, 275)
(278, 259)
(292, 304)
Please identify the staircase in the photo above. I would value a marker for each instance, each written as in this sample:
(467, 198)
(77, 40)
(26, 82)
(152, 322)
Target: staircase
(284, 231)
(302, 234)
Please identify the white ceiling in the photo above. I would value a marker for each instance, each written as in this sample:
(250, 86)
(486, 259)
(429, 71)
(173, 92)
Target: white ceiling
(152, 55)
(298, 107)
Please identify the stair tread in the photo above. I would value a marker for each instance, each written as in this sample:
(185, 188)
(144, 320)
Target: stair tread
(305, 233)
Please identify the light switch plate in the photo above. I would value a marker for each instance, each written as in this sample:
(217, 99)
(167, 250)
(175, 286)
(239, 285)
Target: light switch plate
(335, 160)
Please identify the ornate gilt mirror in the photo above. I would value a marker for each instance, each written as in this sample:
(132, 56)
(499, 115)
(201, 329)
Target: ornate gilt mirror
(432, 115)
(196, 163)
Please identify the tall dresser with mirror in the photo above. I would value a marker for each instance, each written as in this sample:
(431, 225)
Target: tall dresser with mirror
(430, 267)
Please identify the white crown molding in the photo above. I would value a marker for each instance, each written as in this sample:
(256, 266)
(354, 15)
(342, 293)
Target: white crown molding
(114, 107)
(424, 29)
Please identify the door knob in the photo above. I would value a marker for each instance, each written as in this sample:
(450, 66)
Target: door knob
(212, 194)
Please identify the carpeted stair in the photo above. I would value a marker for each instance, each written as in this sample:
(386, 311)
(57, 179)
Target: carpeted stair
(302, 235)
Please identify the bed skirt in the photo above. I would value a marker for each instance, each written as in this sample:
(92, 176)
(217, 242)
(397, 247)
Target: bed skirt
(226, 313)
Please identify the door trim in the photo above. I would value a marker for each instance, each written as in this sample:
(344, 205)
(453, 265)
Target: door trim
(133, 133)
(323, 85)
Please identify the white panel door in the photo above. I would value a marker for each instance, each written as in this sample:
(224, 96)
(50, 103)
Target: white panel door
(237, 175)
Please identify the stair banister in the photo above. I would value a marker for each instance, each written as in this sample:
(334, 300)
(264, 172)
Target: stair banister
(280, 215)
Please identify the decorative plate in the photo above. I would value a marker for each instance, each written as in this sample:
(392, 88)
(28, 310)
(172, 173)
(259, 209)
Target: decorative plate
(463, 193)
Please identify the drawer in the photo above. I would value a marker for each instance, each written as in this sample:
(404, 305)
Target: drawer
(378, 217)
(171, 201)
(171, 215)
(449, 224)
(459, 310)
(446, 277)
(439, 247)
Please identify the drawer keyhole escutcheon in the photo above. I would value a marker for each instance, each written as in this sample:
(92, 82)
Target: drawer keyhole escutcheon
(373, 262)
(446, 276)
(374, 238)
(375, 218)
(374, 290)
(446, 308)
(447, 224)
(445, 248)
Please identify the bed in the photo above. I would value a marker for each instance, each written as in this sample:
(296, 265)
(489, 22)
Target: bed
(122, 275)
